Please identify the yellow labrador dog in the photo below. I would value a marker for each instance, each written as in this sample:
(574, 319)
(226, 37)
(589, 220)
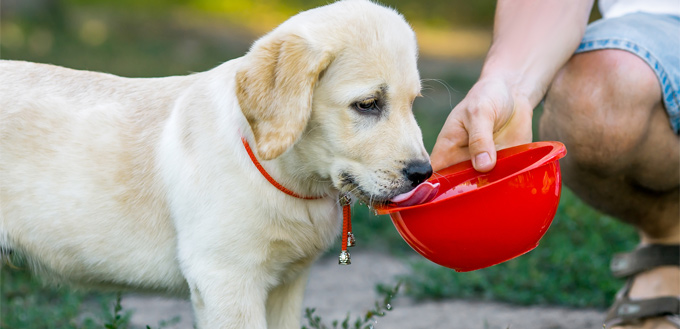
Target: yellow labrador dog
(112, 182)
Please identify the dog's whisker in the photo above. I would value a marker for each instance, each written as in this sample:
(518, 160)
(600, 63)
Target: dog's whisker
(448, 87)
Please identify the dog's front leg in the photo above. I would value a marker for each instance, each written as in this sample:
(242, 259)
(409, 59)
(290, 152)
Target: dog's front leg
(285, 302)
(226, 299)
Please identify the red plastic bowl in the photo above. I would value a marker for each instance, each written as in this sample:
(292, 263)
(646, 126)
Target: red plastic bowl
(482, 219)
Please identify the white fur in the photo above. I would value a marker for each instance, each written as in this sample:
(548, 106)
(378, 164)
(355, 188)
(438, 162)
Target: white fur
(111, 182)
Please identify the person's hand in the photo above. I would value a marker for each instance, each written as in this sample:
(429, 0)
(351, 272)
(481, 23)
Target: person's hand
(490, 117)
(532, 40)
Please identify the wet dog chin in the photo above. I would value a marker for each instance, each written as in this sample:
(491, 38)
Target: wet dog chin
(348, 184)
(423, 193)
(373, 200)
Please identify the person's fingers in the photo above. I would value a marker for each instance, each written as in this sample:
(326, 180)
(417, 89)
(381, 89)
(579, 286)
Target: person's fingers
(467, 134)
(486, 120)
(446, 153)
(451, 145)
(479, 125)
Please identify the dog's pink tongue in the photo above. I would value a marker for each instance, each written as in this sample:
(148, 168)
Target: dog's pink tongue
(424, 192)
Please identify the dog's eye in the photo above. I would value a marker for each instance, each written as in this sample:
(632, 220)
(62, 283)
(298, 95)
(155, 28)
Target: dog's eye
(367, 106)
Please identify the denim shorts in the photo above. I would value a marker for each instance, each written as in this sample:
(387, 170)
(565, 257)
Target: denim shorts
(652, 37)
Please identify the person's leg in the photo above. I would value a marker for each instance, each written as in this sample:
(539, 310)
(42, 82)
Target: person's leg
(623, 157)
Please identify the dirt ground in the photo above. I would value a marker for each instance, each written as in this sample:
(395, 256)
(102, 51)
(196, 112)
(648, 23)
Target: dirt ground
(335, 290)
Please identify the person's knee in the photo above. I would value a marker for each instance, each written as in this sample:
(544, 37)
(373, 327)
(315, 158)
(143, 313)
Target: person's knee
(598, 106)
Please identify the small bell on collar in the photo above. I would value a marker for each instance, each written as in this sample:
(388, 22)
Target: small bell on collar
(344, 258)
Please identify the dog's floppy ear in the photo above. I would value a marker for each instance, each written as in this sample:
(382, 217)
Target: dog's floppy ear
(274, 89)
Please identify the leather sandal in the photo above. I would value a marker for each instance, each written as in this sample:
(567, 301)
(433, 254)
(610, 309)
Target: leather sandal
(626, 311)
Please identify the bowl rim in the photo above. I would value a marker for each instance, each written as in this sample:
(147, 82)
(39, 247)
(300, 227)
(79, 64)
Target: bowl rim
(557, 152)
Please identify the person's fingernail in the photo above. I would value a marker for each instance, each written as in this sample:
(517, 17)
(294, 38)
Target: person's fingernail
(482, 160)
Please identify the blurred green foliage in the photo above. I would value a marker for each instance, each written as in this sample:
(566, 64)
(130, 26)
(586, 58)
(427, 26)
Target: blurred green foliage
(25, 302)
(441, 13)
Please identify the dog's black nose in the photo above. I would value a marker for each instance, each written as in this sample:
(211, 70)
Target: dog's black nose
(418, 172)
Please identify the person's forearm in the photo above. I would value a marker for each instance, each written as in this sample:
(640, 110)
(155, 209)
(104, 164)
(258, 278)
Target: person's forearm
(533, 39)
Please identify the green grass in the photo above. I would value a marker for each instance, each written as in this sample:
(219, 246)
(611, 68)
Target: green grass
(25, 302)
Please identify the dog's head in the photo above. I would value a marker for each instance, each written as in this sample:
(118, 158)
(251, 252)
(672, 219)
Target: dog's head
(335, 85)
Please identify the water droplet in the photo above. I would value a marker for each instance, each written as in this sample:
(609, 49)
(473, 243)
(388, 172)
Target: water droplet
(388, 307)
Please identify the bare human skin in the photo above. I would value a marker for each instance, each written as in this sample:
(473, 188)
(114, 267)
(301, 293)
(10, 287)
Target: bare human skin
(604, 105)
(624, 156)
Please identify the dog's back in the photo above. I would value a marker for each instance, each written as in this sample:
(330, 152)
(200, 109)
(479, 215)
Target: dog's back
(83, 144)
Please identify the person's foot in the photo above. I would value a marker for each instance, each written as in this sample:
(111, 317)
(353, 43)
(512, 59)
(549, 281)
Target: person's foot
(657, 282)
